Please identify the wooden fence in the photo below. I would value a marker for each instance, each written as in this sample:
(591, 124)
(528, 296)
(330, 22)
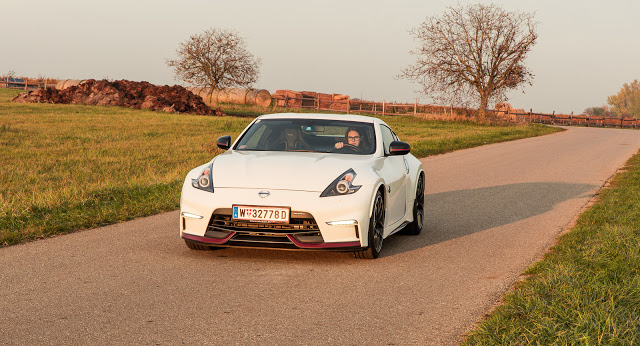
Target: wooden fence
(384, 108)
(367, 107)
(575, 120)
(27, 83)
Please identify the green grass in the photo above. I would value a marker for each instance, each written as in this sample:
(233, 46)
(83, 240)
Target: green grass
(71, 167)
(587, 288)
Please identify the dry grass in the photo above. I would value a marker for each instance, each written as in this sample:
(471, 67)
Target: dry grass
(67, 167)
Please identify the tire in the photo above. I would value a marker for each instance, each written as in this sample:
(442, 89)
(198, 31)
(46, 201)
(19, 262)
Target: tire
(195, 246)
(415, 227)
(376, 230)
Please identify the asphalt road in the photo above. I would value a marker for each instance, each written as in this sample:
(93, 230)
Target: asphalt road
(491, 211)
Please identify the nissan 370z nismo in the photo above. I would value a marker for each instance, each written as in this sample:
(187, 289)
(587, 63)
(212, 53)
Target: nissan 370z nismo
(305, 181)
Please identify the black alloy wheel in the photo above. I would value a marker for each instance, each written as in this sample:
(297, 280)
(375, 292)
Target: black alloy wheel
(376, 230)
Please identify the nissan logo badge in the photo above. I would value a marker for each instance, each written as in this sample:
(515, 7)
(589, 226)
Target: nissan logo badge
(264, 194)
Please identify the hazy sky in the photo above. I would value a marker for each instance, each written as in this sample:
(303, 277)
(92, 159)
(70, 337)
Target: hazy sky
(586, 49)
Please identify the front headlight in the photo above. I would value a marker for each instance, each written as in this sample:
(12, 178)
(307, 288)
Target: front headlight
(204, 180)
(343, 185)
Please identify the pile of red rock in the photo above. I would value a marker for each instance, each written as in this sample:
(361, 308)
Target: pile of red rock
(123, 93)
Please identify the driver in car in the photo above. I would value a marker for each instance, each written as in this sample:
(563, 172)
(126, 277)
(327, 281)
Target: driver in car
(352, 137)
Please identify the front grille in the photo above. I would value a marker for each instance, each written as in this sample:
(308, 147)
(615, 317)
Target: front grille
(300, 223)
(261, 239)
(255, 234)
(301, 232)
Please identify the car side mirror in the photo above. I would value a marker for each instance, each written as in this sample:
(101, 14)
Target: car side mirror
(399, 148)
(224, 142)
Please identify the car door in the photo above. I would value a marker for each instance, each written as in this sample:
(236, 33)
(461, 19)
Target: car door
(394, 173)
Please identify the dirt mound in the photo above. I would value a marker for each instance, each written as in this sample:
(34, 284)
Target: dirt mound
(124, 93)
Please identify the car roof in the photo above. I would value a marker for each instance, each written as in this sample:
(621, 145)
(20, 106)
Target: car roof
(323, 116)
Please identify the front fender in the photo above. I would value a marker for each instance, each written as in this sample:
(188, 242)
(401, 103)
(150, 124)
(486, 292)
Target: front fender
(415, 169)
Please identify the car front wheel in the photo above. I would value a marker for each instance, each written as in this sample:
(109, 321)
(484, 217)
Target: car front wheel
(376, 230)
(415, 227)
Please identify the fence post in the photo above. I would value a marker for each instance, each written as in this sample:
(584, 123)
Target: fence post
(348, 106)
(382, 107)
(415, 106)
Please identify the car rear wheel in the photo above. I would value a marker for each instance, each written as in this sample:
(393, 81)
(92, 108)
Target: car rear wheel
(376, 230)
(195, 246)
(415, 227)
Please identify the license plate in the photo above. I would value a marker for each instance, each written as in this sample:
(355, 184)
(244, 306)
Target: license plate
(261, 214)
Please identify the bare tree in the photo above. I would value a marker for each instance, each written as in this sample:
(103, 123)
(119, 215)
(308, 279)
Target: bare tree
(215, 58)
(472, 54)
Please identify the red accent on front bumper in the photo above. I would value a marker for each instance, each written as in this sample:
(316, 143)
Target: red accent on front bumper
(321, 245)
(207, 240)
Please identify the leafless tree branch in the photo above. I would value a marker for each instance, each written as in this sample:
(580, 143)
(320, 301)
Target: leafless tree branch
(472, 55)
(215, 58)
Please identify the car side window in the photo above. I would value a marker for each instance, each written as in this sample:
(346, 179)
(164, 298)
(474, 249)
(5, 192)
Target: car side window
(387, 138)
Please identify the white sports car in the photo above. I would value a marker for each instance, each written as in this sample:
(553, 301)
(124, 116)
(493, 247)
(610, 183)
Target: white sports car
(305, 181)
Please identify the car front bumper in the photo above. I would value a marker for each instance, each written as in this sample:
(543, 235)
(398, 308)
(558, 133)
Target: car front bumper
(334, 223)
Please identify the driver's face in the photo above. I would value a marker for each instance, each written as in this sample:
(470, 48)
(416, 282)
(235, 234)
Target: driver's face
(353, 138)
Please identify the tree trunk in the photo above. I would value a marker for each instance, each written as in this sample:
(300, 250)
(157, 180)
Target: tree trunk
(484, 101)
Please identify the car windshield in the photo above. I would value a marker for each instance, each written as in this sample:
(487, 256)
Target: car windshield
(312, 135)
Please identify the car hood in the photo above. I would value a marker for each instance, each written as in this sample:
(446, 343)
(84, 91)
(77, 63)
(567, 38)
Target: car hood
(282, 170)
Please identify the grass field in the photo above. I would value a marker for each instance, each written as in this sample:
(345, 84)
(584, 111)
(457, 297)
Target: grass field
(71, 167)
(587, 289)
